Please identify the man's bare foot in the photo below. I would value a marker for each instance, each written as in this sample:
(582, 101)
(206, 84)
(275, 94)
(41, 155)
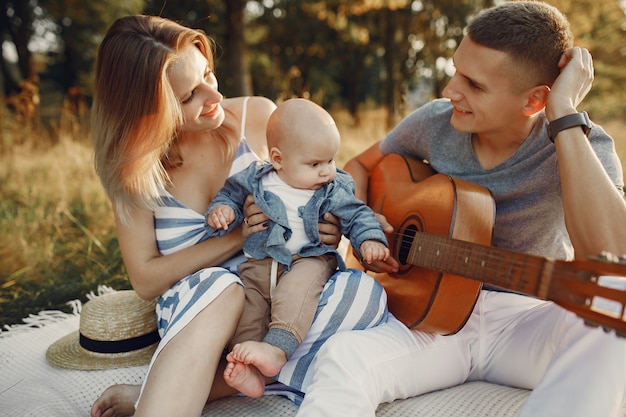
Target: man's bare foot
(245, 378)
(116, 401)
(268, 359)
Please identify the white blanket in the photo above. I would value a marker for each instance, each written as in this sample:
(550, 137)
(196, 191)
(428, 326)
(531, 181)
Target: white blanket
(30, 386)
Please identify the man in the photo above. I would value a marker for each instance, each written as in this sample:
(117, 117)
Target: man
(558, 195)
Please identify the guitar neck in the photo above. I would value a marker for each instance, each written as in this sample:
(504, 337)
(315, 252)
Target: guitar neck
(520, 272)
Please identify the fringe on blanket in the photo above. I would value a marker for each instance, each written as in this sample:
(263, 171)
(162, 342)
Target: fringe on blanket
(46, 317)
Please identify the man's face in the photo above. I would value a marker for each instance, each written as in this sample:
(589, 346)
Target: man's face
(482, 91)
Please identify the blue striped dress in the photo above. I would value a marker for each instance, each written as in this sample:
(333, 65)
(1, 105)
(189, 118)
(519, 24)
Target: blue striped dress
(350, 300)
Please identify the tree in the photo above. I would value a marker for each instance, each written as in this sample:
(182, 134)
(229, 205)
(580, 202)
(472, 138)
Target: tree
(223, 21)
(413, 36)
(81, 26)
(237, 49)
(16, 26)
(345, 52)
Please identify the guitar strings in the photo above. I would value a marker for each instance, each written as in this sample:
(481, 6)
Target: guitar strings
(482, 258)
(468, 249)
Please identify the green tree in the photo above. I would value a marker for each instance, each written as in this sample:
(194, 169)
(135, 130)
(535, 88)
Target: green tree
(358, 50)
(346, 52)
(81, 26)
(16, 26)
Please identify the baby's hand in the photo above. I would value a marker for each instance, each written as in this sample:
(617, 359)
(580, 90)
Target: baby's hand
(220, 217)
(373, 250)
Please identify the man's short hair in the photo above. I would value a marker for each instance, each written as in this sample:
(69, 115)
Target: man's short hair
(534, 34)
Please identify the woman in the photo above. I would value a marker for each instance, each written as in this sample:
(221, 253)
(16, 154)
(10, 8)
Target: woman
(165, 141)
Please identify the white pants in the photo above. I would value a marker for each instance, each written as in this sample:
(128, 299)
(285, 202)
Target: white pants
(518, 341)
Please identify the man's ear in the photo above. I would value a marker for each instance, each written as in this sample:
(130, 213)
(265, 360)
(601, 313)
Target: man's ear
(276, 158)
(536, 100)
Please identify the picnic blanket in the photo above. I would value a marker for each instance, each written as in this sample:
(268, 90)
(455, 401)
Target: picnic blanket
(30, 386)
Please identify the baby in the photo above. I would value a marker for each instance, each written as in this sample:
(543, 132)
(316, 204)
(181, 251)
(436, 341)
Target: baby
(287, 265)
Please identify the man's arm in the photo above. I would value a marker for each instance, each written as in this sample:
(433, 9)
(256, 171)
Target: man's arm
(360, 167)
(595, 211)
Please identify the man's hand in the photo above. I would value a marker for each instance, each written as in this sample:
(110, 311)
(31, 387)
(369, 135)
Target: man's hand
(387, 227)
(572, 84)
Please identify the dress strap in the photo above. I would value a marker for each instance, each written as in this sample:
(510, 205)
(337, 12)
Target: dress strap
(243, 117)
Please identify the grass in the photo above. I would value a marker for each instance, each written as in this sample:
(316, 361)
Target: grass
(58, 235)
(59, 241)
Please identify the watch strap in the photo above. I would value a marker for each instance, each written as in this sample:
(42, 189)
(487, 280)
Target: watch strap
(571, 120)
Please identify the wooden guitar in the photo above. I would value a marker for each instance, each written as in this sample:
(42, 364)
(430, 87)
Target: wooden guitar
(443, 229)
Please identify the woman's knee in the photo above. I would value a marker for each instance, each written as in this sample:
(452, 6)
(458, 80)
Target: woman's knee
(234, 297)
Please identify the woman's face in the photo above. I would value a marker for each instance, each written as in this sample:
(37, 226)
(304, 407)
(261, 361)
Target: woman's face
(196, 87)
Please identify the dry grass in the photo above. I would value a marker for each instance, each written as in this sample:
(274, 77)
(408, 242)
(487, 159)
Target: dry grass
(58, 233)
(355, 138)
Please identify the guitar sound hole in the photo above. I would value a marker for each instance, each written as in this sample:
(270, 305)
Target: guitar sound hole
(406, 240)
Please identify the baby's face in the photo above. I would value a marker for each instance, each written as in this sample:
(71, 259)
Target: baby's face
(310, 165)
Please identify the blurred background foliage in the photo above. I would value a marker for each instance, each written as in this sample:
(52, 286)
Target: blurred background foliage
(347, 53)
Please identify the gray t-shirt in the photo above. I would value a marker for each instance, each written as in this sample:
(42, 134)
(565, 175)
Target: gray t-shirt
(526, 187)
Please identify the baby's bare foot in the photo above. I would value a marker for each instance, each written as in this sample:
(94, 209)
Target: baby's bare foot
(268, 359)
(116, 401)
(245, 379)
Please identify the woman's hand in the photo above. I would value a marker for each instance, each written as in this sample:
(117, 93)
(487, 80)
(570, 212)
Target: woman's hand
(254, 220)
(330, 232)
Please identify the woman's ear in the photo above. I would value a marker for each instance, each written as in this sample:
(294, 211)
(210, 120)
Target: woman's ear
(276, 158)
(536, 100)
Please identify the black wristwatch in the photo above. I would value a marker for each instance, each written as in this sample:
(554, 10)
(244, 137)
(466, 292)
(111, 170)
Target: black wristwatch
(566, 122)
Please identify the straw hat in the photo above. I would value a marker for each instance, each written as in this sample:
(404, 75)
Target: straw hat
(117, 330)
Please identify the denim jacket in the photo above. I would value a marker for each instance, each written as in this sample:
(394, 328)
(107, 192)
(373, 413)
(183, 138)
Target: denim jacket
(357, 220)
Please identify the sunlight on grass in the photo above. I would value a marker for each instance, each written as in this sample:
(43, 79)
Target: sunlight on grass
(59, 241)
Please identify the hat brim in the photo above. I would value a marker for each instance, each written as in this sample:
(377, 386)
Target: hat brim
(67, 353)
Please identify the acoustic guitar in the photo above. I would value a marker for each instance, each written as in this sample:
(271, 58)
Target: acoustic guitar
(443, 230)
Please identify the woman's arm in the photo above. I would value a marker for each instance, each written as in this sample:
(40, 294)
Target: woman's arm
(150, 273)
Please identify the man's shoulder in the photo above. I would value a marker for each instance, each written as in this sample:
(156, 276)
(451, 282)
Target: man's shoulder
(439, 106)
(436, 112)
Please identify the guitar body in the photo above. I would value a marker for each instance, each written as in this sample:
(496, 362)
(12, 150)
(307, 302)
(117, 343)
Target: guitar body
(414, 198)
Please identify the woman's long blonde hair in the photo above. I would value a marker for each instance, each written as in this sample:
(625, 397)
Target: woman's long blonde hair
(136, 115)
